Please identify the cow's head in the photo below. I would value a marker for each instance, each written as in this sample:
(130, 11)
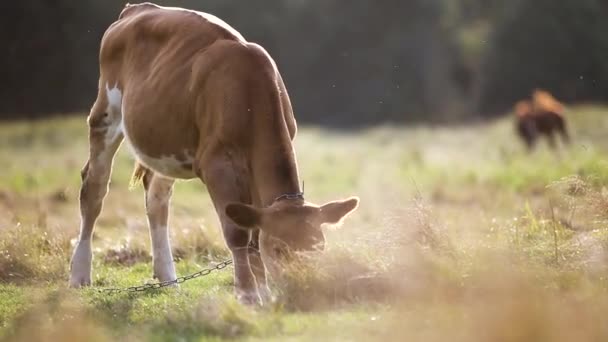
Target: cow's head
(289, 226)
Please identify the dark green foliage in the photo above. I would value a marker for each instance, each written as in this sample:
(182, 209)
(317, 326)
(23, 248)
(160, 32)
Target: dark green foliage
(50, 53)
(345, 62)
(561, 46)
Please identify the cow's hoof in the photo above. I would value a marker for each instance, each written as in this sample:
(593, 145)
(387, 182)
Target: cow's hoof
(77, 282)
(266, 295)
(249, 298)
(164, 280)
(164, 273)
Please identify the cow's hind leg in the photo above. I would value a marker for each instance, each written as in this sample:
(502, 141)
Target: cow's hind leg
(158, 195)
(105, 137)
(224, 186)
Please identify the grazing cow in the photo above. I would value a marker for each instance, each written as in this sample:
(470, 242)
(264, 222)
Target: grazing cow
(544, 115)
(193, 99)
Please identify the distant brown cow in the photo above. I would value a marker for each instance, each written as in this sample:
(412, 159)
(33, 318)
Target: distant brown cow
(193, 99)
(544, 115)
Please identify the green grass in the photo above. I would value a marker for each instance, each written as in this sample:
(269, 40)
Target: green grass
(461, 235)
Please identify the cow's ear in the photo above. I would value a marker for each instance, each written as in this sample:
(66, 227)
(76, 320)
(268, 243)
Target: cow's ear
(246, 216)
(335, 212)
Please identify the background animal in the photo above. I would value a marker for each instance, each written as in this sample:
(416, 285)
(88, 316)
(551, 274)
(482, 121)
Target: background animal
(542, 116)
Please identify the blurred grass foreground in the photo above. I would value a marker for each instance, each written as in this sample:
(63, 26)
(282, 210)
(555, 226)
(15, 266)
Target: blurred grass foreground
(461, 235)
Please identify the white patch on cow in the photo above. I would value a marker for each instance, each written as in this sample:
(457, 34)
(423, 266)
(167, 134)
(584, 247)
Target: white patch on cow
(114, 96)
(168, 166)
(80, 274)
(164, 269)
(114, 111)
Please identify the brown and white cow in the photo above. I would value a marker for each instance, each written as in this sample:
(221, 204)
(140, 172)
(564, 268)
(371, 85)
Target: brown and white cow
(193, 99)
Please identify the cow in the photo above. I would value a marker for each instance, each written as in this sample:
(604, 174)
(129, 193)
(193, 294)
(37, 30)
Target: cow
(193, 99)
(543, 115)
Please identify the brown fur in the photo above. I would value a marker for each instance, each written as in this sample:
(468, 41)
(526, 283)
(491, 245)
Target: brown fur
(199, 101)
(543, 115)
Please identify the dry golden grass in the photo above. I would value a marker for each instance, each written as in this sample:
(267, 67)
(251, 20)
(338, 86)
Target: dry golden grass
(28, 253)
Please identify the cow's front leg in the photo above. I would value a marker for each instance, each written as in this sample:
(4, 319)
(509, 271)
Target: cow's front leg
(158, 195)
(220, 176)
(245, 285)
(103, 142)
(257, 267)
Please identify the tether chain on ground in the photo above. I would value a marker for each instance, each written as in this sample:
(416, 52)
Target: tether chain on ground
(156, 286)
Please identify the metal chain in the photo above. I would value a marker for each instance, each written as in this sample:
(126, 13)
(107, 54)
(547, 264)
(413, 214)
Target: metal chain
(179, 280)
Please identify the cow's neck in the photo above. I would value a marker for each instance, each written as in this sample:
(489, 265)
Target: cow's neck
(275, 169)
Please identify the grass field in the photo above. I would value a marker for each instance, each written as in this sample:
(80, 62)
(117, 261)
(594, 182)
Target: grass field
(460, 236)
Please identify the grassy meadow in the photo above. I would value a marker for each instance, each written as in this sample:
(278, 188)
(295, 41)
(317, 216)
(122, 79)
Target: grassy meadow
(460, 236)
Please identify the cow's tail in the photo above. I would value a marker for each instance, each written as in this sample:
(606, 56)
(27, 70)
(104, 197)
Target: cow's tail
(140, 173)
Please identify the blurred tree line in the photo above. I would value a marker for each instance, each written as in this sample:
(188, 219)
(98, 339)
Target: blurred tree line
(345, 62)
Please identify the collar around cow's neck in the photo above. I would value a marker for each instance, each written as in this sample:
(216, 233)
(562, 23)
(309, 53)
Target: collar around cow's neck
(292, 196)
(296, 195)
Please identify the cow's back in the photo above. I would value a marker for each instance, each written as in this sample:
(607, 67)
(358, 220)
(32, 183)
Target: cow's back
(151, 57)
(147, 37)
